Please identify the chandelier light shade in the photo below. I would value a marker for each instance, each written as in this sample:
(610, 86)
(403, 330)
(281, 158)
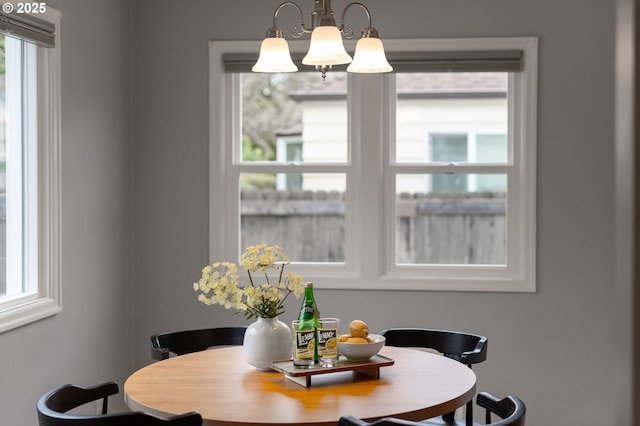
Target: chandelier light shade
(326, 47)
(274, 56)
(369, 57)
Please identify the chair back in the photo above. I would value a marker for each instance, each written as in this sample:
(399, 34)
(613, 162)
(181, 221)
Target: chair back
(510, 409)
(54, 405)
(466, 348)
(188, 341)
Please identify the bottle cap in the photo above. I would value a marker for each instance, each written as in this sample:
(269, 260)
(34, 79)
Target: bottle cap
(309, 284)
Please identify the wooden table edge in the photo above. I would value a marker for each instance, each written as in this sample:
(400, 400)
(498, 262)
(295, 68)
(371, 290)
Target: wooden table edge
(416, 415)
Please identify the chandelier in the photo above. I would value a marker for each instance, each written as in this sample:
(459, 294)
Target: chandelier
(326, 48)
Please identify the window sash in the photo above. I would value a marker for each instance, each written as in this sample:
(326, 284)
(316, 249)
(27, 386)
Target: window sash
(21, 180)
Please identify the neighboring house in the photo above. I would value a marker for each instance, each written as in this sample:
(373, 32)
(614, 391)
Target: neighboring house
(440, 117)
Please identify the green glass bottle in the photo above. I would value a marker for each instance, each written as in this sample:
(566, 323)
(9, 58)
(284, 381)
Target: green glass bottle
(307, 327)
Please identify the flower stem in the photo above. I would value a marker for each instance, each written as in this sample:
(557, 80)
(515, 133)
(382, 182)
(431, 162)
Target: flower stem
(281, 272)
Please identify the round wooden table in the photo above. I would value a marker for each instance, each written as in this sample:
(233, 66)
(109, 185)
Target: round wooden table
(225, 390)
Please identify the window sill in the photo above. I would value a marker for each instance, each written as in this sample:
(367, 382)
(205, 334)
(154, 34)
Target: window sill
(27, 312)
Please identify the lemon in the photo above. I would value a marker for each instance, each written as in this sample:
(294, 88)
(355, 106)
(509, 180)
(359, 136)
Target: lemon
(331, 344)
(358, 328)
(357, 340)
(344, 337)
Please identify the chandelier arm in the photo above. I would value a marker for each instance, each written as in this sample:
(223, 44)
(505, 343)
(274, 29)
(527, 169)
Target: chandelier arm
(348, 32)
(295, 31)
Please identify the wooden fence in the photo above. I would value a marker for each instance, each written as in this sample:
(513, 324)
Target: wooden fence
(443, 228)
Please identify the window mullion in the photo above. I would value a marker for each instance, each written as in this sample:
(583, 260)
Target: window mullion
(450, 168)
(388, 159)
(254, 167)
(366, 119)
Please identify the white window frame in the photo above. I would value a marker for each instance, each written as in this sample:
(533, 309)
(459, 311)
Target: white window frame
(43, 263)
(370, 256)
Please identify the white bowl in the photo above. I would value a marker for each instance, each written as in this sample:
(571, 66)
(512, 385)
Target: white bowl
(362, 351)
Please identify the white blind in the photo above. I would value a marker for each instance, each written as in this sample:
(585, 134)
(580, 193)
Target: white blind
(28, 27)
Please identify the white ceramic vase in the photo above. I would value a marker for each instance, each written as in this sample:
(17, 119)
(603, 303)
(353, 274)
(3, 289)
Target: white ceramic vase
(266, 340)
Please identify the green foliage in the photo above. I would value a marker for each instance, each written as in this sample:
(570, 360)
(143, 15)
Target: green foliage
(250, 151)
(263, 181)
(267, 107)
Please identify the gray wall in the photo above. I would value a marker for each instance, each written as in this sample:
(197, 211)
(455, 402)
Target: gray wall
(130, 255)
(552, 348)
(90, 340)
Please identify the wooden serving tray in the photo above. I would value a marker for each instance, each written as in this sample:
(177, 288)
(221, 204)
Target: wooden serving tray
(302, 375)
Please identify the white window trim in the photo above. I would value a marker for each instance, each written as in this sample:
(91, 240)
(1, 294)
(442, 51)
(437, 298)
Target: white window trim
(47, 301)
(369, 256)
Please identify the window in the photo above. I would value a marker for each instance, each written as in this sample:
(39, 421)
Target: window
(423, 178)
(29, 168)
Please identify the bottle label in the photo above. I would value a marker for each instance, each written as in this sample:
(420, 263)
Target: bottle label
(305, 343)
(328, 342)
(308, 312)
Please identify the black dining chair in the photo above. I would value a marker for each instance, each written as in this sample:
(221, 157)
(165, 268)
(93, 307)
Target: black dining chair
(511, 411)
(188, 341)
(53, 409)
(466, 348)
